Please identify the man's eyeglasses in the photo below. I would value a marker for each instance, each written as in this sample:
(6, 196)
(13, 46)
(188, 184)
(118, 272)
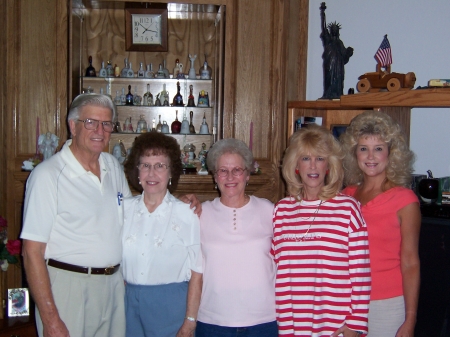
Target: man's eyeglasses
(158, 167)
(237, 171)
(92, 124)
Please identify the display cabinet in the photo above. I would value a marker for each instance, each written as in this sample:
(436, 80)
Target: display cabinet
(153, 114)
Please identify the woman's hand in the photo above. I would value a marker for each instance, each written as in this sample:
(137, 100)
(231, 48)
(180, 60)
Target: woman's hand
(187, 329)
(406, 330)
(346, 332)
(192, 199)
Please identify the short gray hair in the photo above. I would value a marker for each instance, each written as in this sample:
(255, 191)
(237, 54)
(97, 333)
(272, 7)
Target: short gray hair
(90, 99)
(229, 145)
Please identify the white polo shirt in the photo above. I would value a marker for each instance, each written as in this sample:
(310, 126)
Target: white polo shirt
(77, 215)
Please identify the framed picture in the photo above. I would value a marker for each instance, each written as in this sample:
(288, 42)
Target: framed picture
(338, 129)
(18, 302)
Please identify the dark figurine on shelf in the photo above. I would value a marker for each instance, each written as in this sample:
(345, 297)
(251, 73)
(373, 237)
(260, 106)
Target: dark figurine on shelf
(157, 101)
(335, 56)
(178, 99)
(191, 98)
(90, 71)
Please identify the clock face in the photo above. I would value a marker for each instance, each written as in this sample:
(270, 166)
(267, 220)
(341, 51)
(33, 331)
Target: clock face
(146, 29)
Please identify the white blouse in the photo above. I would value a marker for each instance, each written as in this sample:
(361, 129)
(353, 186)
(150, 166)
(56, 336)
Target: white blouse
(160, 247)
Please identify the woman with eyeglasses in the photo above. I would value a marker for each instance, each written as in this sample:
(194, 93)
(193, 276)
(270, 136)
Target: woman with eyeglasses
(238, 295)
(161, 244)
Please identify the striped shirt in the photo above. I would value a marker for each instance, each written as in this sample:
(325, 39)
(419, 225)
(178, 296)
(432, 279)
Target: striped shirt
(323, 272)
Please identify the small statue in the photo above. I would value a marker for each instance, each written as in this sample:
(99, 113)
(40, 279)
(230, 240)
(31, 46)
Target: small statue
(119, 152)
(335, 56)
(47, 144)
(202, 158)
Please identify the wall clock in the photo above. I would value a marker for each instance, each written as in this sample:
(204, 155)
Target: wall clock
(146, 29)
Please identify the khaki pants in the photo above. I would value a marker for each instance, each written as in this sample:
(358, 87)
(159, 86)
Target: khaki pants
(89, 305)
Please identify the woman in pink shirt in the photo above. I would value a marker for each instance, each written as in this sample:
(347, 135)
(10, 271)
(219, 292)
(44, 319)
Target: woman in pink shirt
(238, 295)
(378, 167)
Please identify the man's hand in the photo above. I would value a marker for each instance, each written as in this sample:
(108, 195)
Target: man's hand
(56, 329)
(191, 199)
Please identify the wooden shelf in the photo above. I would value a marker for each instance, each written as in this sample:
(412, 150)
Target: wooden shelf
(417, 98)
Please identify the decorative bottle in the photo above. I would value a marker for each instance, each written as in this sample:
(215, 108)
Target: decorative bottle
(129, 97)
(159, 126)
(137, 100)
(164, 96)
(178, 99)
(102, 72)
(176, 69)
(123, 97)
(117, 98)
(109, 70)
(116, 70)
(149, 73)
(176, 124)
(124, 72)
(141, 125)
(141, 71)
(90, 70)
(130, 72)
(165, 70)
(148, 97)
(160, 73)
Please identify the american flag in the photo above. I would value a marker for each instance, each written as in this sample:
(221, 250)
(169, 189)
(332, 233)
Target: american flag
(383, 54)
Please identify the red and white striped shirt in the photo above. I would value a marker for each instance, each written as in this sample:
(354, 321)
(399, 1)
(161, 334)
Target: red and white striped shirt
(323, 271)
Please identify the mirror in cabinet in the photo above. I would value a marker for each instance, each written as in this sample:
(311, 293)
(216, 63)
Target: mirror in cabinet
(193, 30)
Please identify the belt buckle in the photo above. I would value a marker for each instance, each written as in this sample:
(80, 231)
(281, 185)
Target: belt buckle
(109, 270)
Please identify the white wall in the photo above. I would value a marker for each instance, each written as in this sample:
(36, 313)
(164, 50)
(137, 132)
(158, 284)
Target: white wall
(420, 41)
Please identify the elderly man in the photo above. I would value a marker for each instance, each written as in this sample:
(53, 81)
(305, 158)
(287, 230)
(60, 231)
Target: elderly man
(72, 229)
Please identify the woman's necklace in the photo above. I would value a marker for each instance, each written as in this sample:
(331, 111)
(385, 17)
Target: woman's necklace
(314, 218)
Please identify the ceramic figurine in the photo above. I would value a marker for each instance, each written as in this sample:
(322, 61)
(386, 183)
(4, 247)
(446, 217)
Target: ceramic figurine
(192, 73)
(203, 99)
(47, 144)
(204, 72)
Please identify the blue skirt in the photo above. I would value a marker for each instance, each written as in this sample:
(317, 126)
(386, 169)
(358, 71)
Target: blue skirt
(155, 311)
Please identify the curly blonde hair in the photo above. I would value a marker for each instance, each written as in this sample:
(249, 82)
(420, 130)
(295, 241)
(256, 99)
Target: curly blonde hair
(318, 141)
(380, 124)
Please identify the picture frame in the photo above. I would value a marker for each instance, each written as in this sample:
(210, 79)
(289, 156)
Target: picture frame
(338, 129)
(18, 302)
(139, 36)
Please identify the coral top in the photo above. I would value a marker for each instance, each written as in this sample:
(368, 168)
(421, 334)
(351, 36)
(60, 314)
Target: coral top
(383, 227)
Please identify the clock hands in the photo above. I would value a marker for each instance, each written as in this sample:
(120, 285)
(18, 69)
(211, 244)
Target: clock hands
(147, 29)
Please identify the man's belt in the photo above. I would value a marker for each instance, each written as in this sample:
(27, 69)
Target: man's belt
(84, 270)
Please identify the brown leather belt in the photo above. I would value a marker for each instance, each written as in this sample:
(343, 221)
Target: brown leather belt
(84, 270)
